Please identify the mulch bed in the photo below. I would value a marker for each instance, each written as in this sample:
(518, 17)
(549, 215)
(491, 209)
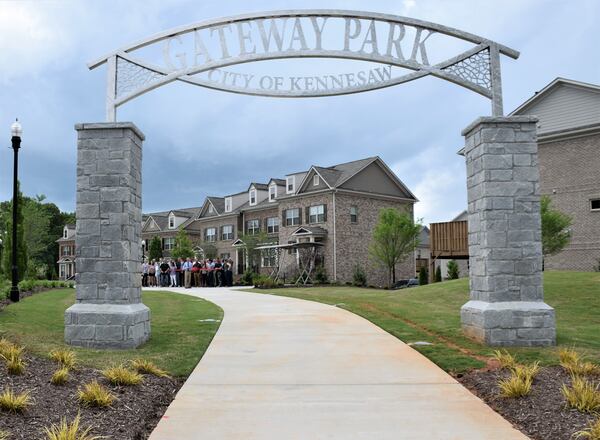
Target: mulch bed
(132, 417)
(543, 414)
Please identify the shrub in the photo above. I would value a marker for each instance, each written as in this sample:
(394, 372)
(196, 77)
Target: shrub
(4, 435)
(122, 376)
(11, 402)
(146, 367)
(582, 395)
(320, 275)
(14, 360)
(505, 359)
(423, 276)
(66, 358)
(247, 278)
(515, 386)
(64, 431)
(94, 394)
(438, 275)
(359, 277)
(264, 282)
(453, 271)
(592, 432)
(60, 376)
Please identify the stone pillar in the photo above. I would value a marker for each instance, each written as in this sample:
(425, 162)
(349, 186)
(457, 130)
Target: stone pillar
(507, 305)
(108, 312)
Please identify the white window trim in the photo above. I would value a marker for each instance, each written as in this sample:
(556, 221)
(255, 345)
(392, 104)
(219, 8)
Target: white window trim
(65, 233)
(316, 180)
(292, 180)
(211, 208)
(288, 217)
(316, 216)
(275, 225)
(228, 204)
(171, 217)
(213, 235)
(250, 197)
(272, 193)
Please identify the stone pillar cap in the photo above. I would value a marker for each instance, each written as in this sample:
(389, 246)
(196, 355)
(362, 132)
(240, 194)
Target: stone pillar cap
(110, 126)
(498, 120)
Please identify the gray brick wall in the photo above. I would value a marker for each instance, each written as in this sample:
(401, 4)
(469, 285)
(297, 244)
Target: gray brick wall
(570, 175)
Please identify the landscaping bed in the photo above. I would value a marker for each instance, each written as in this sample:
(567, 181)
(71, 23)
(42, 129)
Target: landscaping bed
(135, 412)
(541, 415)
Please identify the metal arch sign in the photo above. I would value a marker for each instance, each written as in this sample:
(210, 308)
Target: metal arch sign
(199, 53)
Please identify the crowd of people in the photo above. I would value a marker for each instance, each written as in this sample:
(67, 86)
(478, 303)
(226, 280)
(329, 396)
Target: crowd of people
(187, 273)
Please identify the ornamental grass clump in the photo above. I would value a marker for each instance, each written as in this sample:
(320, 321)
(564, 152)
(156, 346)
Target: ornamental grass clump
(527, 372)
(73, 431)
(571, 361)
(15, 403)
(582, 395)
(60, 376)
(122, 376)
(568, 356)
(13, 357)
(5, 346)
(146, 367)
(94, 394)
(65, 358)
(505, 359)
(4, 435)
(515, 386)
(592, 432)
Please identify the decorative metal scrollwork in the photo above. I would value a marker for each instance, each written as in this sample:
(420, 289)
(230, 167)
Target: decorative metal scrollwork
(475, 69)
(131, 76)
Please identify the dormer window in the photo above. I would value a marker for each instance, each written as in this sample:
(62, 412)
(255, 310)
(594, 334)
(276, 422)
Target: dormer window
(272, 193)
(316, 180)
(171, 221)
(211, 209)
(65, 233)
(290, 184)
(252, 197)
(227, 204)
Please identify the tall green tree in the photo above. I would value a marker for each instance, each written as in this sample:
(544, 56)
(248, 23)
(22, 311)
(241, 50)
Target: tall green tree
(183, 246)
(22, 259)
(251, 242)
(155, 249)
(394, 239)
(555, 228)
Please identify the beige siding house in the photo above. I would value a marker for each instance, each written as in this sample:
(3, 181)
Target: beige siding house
(569, 159)
(332, 210)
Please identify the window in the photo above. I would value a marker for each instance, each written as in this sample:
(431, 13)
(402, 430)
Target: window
(210, 234)
(211, 208)
(595, 204)
(316, 180)
(290, 184)
(227, 204)
(316, 214)
(227, 232)
(65, 233)
(269, 258)
(252, 227)
(252, 197)
(292, 217)
(272, 225)
(353, 214)
(272, 193)
(66, 250)
(171, 221)
(169, 243)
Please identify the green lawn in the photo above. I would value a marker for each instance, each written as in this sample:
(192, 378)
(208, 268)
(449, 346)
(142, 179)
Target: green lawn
(431, 313)
(177, 343)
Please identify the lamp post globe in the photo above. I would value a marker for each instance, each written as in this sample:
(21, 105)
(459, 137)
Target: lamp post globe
(16, 130)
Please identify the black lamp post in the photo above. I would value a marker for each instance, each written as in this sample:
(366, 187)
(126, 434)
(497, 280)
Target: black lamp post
(16, 130)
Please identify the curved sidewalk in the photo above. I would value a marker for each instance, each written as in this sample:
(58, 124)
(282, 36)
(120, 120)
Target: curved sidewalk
(287, 369)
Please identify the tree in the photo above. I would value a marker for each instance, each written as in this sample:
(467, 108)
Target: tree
(183, 246)
(394, 239)
(453, 270)
(7, 260)
(251, 242)
(423, 276)
(555, 228)
(155, 249)
(438, 275)
(209, 250)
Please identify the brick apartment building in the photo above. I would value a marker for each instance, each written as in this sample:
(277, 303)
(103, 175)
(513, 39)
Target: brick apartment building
(569, 159)
(331, 208)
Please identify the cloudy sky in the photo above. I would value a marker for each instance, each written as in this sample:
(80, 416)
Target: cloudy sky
(202, 142)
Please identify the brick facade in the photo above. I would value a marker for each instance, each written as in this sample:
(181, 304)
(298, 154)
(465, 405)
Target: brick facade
(570, 175)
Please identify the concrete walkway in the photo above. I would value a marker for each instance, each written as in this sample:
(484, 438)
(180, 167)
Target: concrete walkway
(286, 369)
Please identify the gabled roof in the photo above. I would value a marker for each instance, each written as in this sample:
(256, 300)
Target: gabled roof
(218, 203)
(310, 230)
(259, 186)
(556, 82)
(280, 182)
